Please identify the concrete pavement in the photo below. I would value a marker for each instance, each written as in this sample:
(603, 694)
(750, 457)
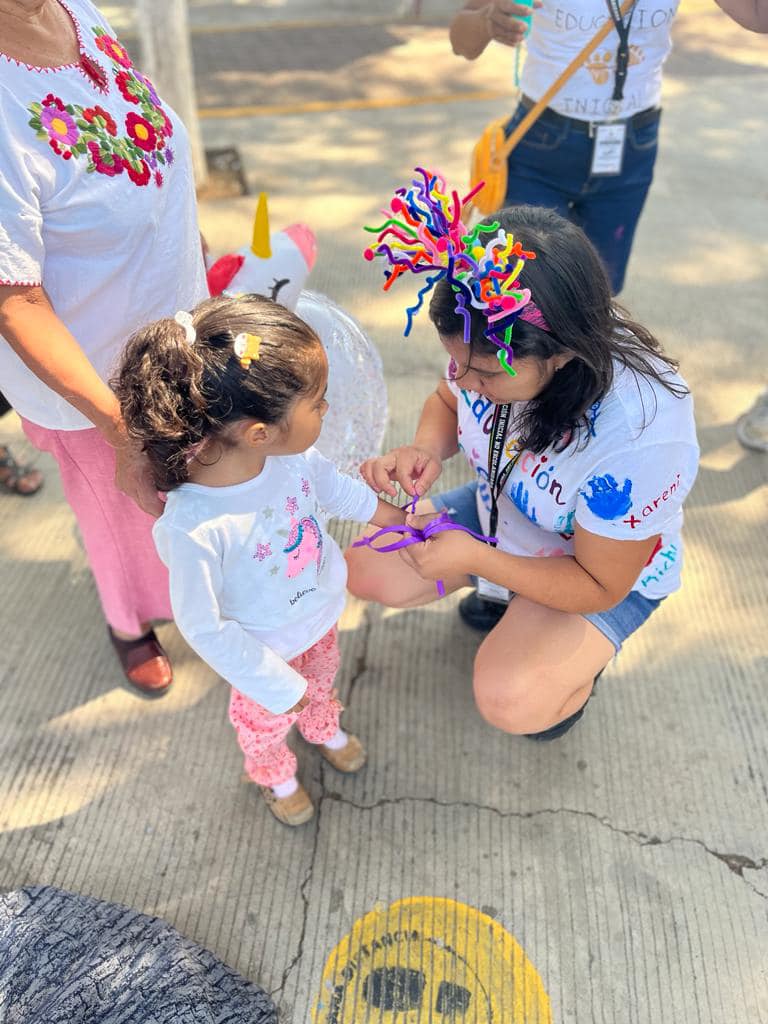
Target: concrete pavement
(628, 862)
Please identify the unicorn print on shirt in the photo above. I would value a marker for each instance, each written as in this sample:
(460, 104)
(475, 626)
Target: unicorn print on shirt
(305, 541)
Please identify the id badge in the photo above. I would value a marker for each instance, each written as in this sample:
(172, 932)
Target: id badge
(492, 591)
(608, 149)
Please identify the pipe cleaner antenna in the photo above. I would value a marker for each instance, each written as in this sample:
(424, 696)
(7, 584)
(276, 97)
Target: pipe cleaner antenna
(425, 231)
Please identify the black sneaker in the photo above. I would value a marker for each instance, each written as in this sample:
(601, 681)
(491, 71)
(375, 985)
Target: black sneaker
(480, 614)
(556, 731)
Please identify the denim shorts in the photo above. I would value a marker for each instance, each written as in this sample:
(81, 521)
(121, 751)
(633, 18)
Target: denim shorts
(616, 623)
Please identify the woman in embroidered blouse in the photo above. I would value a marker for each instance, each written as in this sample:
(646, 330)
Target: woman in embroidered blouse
(98, 235)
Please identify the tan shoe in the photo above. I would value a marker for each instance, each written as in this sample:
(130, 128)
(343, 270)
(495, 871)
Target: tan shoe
(296, 809)
(349, 758)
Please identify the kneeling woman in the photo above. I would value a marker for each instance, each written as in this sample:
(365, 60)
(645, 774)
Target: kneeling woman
(583, 447)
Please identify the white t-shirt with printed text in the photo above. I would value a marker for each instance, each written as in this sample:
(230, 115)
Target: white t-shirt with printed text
(255, 577)
(628, 482)
(560, 30)
(113, 238)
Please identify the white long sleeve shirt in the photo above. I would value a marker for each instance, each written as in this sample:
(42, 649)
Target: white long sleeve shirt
(255, 577)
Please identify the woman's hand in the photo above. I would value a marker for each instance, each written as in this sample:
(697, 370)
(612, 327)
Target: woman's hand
(414, 468)
(133, 477)
(446, 554)
(503, 21)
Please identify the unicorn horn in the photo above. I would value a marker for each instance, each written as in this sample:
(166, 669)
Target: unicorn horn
(260, 245)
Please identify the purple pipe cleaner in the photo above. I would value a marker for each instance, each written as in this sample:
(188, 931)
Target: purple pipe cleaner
(413, 535)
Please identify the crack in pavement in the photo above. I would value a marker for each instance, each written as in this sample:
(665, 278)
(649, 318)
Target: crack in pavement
(303, 894)
(361, 665)
(736, 863)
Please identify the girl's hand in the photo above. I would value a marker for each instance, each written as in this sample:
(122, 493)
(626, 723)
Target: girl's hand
(444, 555)
(415, 469)
(298, 706)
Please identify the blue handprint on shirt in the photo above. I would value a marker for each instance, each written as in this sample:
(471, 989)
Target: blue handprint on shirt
(605, 500)
(519, 496)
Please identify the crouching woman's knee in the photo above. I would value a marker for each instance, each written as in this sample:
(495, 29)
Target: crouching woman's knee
(509, 700)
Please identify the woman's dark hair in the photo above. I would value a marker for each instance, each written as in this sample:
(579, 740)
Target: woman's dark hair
(569, 285)
(175, 395)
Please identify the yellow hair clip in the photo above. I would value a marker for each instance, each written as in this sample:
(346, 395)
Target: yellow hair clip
(247, 348)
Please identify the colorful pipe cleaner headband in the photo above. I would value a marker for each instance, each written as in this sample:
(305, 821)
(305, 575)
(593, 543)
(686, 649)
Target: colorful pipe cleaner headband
(424, 232)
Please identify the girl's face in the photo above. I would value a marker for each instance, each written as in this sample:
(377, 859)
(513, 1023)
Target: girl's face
(305, 419)
(485, 375)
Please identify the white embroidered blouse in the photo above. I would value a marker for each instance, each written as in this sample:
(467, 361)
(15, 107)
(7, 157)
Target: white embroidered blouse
(97, 204)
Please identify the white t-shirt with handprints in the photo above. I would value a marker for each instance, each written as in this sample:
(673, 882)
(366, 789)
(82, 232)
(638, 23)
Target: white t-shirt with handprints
(255, 577)
(627, 482)
(559, 31)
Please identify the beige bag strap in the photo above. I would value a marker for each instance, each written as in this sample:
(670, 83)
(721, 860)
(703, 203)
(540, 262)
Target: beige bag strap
(575, 64)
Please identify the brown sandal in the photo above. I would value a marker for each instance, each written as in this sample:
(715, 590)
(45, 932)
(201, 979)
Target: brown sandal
(13, 475)
(145, 663)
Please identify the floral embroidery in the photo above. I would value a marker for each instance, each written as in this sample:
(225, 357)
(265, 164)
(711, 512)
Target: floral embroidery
(143, 80)
(142, 132)
(93, 70)
(92, 132)
(102, 118)
(128, 85)
(112, 48)
(305, 487)
(59, 125)
(263, 551)
(104, 163)
(139, 174)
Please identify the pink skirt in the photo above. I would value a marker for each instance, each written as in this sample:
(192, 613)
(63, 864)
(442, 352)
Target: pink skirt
(131, 580)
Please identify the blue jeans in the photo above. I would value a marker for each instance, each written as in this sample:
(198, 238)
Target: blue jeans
(550, 167)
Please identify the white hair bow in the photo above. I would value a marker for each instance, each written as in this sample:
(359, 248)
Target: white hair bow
(184, 319)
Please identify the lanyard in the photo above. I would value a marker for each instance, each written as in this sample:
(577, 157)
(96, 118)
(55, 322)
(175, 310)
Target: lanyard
(497, 479)
(622, 54)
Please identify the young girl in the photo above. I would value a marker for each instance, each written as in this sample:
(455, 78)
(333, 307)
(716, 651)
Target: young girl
(581, 439)
(227, 402)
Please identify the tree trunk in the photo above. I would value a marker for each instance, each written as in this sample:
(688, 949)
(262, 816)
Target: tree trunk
(167, 59)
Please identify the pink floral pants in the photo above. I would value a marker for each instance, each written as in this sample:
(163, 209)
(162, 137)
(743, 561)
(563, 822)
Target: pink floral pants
(262, 735)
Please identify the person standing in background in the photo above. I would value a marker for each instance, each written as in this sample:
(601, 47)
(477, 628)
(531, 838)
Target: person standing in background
(15, 478)
(752, 426)
(590, 155)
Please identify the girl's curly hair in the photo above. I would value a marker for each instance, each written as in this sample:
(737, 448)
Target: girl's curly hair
(175, 394)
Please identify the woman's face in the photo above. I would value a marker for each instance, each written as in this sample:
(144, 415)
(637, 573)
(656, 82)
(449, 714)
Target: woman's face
(485, 374)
